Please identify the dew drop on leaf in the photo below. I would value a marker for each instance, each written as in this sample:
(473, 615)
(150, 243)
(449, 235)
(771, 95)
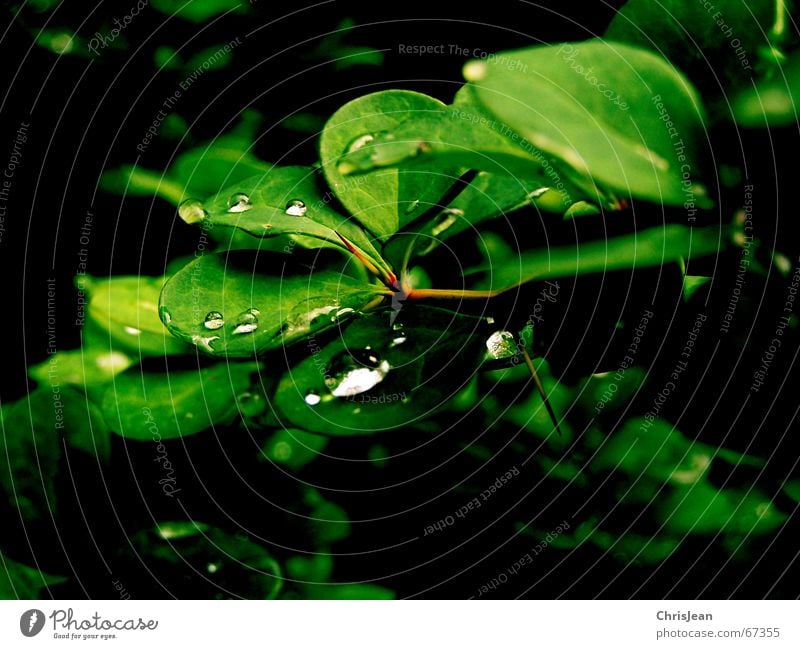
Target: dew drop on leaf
(192, 211)
(312, 398)
(359, 142)
(204, 342)
(501, 344)
(239, 202)
(296, 207)
(356, 371)
(246, 322)
(213, 321)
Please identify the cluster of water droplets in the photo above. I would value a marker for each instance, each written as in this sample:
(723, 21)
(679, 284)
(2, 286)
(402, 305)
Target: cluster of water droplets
(353, 372)
(245, 323)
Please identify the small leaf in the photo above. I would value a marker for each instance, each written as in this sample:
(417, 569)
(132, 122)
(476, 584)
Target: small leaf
(241, 304)
(85, 367)
(621, 117)
(126, 308)
(145, 405)
(387, 199)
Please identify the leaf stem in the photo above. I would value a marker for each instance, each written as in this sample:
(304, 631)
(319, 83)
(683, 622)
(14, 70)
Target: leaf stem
(540, 389)
(447, 294)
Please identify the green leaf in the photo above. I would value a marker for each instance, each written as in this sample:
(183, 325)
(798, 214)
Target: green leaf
(621, 117)
(145, 405)
(86, 367)
(197, 11)
(204, 562)
(350, 592)
(264, 301)
(287, 201)
(465, 136)
(34, 430)
(18, 581)
(387, 199)
(293, 448)
(376, 377)
(715, 43)
(651, 247)
(126, 308)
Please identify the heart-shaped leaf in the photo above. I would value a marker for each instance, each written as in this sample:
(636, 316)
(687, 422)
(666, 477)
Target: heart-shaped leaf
(620, 116)
(144, 405)
(376, 377)
(244, 303)
(387, 199)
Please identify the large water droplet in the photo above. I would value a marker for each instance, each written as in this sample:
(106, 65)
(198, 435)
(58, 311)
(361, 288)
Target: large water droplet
(239, 202)
(296, 207)
(312, 398)
(359, 142)
(501, 344)
(356, 371)
(246, 322)
(213, 321)
(192, 211)
(446, 219)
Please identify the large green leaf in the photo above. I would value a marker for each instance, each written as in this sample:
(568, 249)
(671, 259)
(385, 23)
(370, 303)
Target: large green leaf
(620, 116)
(126, 308)
(651, 247)
(287, 201)
(716, 43)
(465, 135)
(377, 377)
(384, 200)
(145, 405)
(244, 303)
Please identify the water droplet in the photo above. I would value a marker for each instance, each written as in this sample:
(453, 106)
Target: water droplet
(213, 321)
(246, 322)
(501, 344)
(133, 331)
(399, 340)
(166, 316)
(192, 211)
(204, 342)
(239, 202)
(212, 568)
(446, 219)
(536, 193)
(360, 141)
(296, 207)
(312, 398)
(356, 371)
(412, 206)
